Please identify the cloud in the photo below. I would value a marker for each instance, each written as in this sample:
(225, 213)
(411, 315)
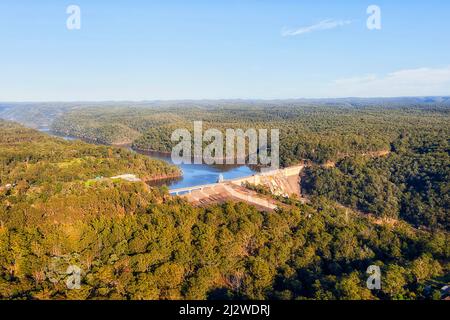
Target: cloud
(408, 82)
(322, 25)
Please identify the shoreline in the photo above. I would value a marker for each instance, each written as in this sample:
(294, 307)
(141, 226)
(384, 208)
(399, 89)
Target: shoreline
(123, 145)
(158, 178)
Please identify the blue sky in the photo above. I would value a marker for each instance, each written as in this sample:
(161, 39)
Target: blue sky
(146, 50)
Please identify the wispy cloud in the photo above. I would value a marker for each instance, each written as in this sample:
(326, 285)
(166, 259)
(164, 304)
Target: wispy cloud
(322, 25)
(408, 82)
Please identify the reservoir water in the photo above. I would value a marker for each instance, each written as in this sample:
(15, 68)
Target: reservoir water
(200, 174)
(193, 174)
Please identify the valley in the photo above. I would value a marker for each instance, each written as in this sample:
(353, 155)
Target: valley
(270, 156)
(371, 191)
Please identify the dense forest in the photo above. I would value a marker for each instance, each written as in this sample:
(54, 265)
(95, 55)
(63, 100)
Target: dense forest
(377, 189)
(318, 133)
(411, 183)
(390, 159)
(30, 157)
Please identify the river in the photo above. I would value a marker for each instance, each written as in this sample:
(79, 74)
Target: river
(193, 174)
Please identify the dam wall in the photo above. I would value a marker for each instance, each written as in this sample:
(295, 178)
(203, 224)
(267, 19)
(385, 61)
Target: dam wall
(284, 182)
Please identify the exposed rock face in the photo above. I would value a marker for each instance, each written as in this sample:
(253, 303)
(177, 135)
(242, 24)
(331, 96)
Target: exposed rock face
(128, 177)
(283, 182)
(227, 191)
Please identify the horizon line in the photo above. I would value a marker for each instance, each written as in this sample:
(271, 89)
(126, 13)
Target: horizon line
(221, 99)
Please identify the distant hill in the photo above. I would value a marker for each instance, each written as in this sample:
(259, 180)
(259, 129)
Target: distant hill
(42, 114)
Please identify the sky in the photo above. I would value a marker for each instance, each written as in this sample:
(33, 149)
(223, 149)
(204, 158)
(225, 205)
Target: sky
(228, 49)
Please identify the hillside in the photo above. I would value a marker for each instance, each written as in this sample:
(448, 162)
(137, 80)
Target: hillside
(135, 242)
(30, 155)
(321, 132)
(387, 157)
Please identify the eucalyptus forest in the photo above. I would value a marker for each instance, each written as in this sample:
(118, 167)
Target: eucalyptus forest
(375, 191)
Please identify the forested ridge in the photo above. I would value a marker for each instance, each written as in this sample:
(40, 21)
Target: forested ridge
(318, 133)
(136, 242)
(390, 159)
(411, 182)
(132, 241)
(31, 157)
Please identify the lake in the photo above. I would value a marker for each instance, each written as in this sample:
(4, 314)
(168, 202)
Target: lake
(199, 174)
(193, 174)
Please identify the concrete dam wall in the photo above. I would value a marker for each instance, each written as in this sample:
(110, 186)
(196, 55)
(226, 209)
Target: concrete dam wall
(283, 182)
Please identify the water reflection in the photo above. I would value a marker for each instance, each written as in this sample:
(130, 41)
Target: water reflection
(193, 174)
(199, 174)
